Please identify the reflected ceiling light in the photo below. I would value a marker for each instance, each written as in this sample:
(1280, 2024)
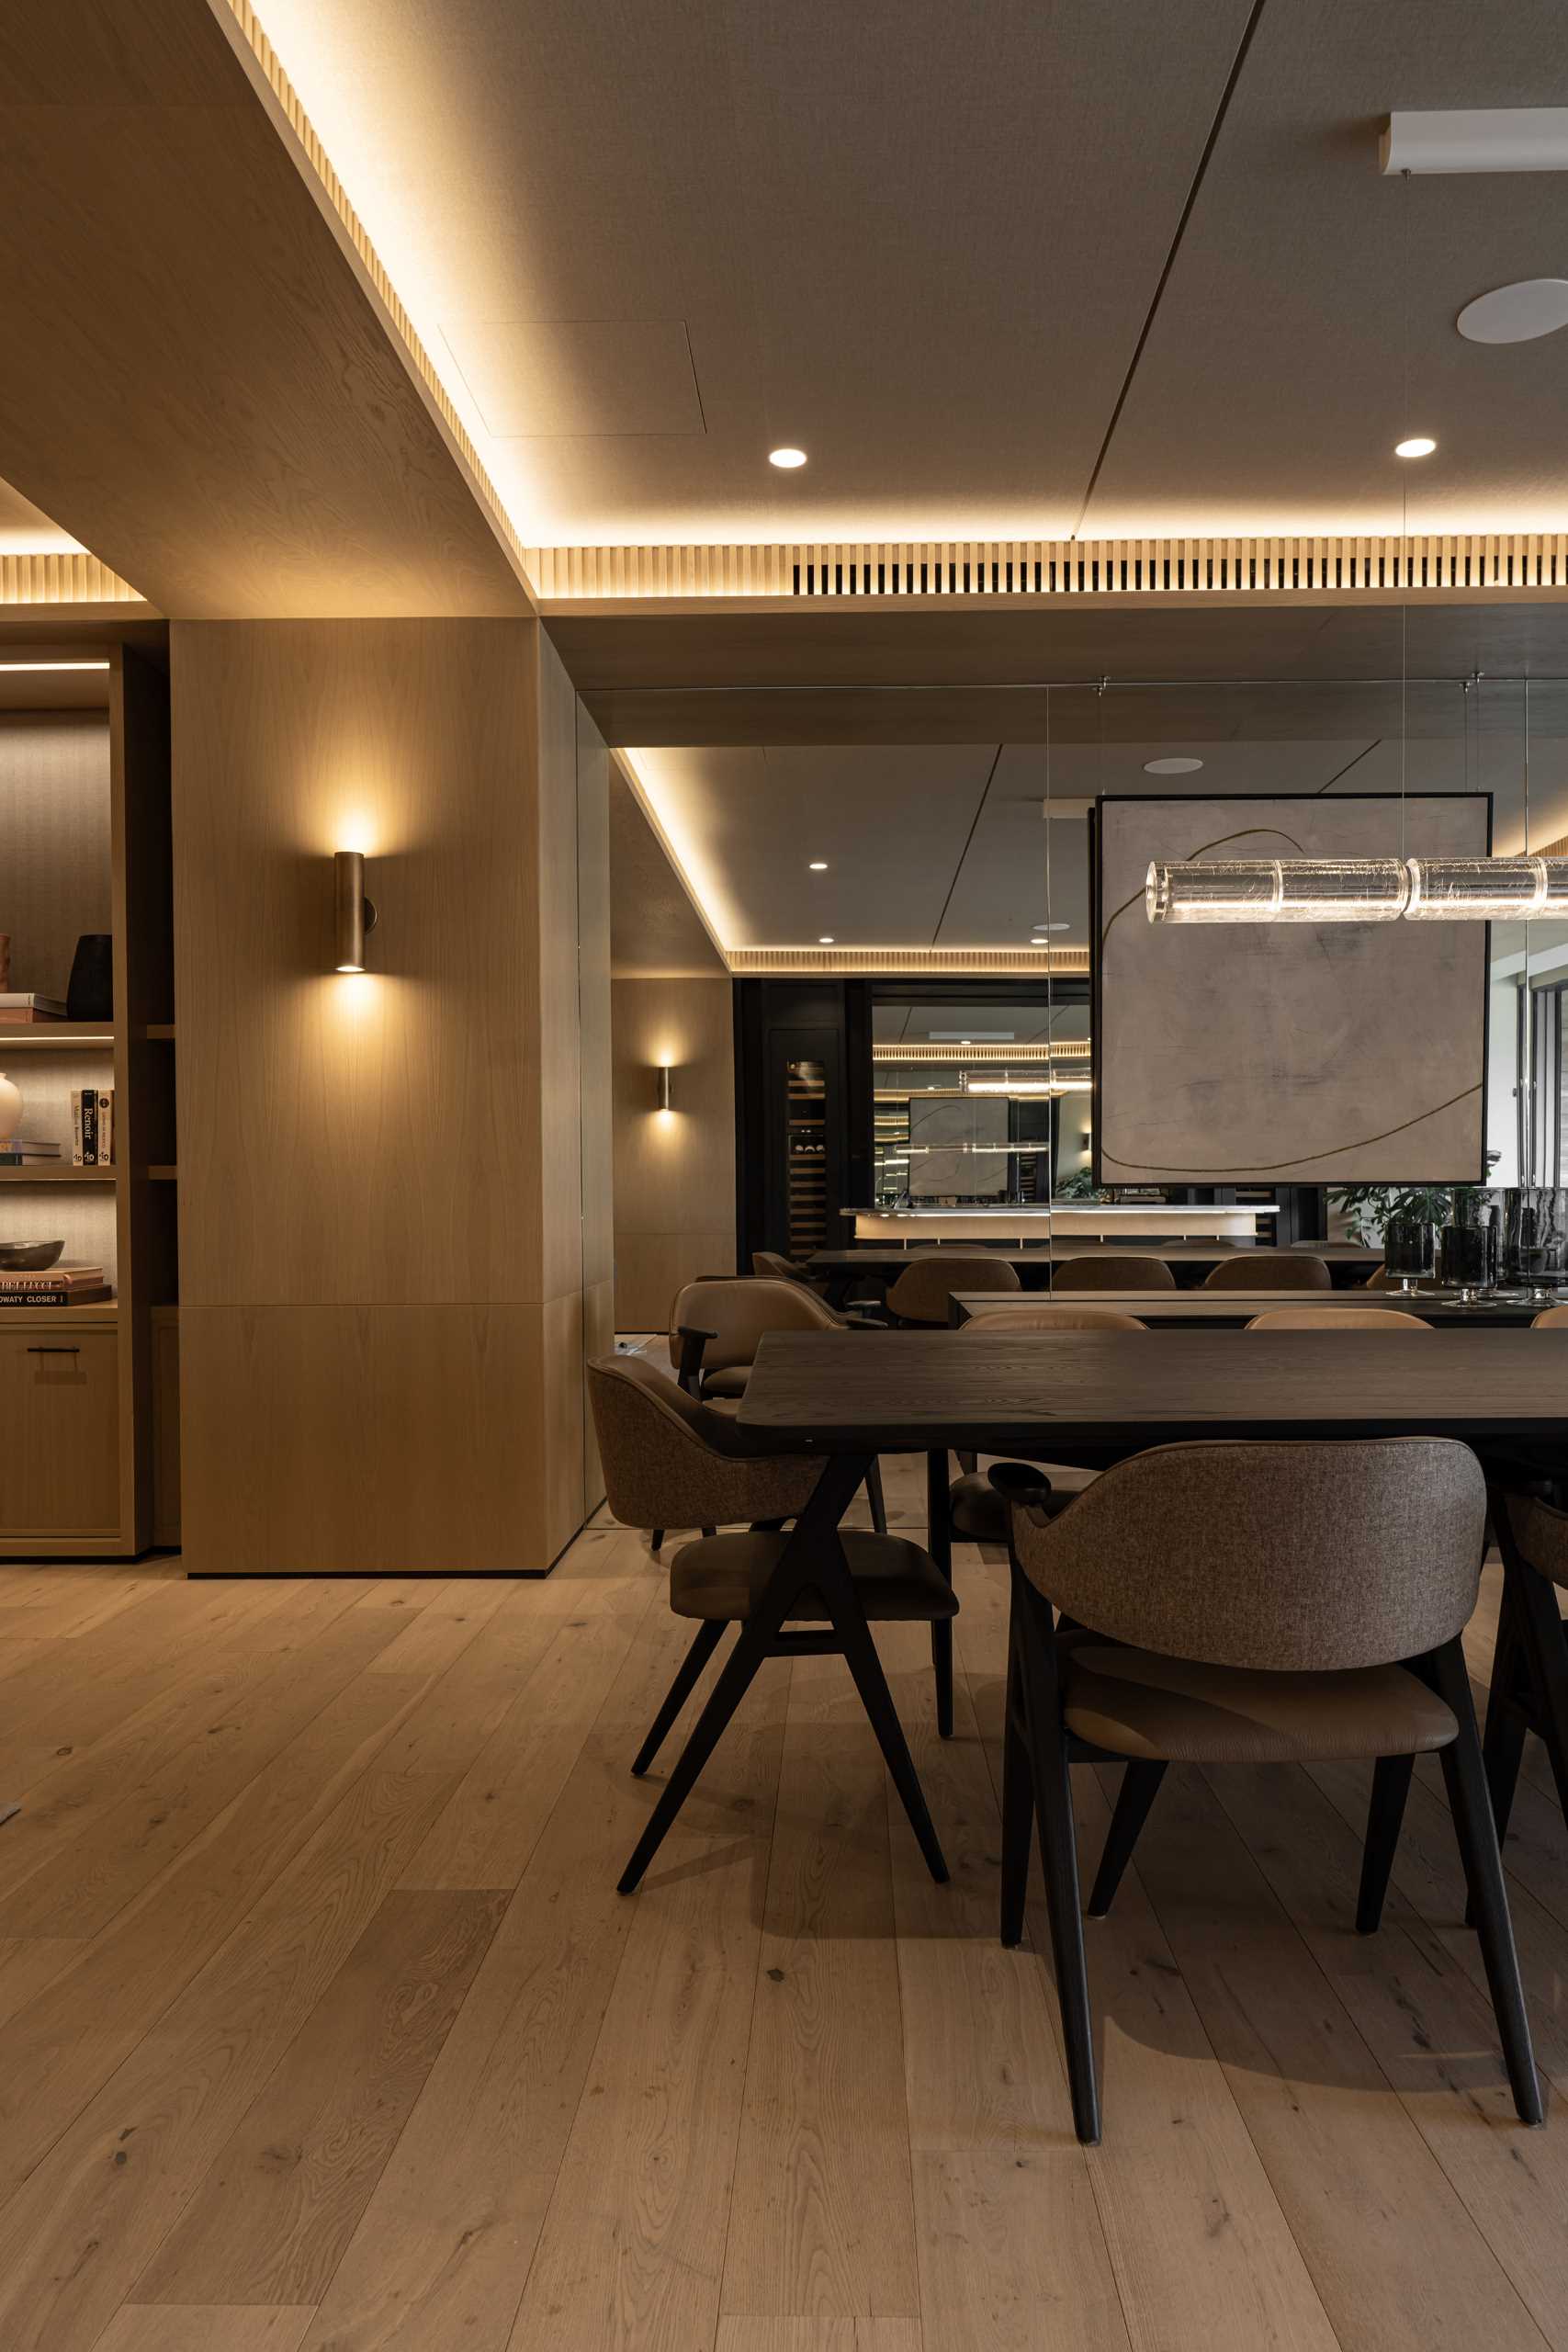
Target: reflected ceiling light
(818, 865)
(1357, 890)
(1419, 445)
(1171, 767)
(786, 460)
(1518, 313)
(11, 668)
(1026, 1085)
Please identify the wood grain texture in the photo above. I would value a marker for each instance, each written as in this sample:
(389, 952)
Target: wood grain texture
(252, 2327)
(674, 1169)
(54, 792)
(270, 2221)
(330, 486)
(819, 2335)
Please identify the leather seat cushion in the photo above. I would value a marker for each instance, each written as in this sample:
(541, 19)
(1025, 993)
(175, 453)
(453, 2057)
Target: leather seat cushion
(730, 1382)
(980, 1513)
(1137, 1704)
(721, 1576)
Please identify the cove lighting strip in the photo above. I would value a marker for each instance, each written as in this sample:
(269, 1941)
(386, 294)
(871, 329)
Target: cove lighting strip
(11, 668)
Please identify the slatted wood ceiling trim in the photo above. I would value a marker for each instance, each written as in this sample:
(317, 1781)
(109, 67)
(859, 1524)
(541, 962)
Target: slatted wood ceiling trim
(62, 580)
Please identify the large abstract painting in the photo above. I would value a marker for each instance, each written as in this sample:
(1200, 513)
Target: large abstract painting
(1345, 1053)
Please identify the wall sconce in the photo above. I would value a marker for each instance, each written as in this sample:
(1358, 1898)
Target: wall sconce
(665, 1076)
(354, 914)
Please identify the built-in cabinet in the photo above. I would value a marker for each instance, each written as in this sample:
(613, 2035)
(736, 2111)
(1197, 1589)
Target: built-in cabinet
(85, 846)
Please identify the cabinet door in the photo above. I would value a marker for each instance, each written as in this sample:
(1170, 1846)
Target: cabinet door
(59, 1432)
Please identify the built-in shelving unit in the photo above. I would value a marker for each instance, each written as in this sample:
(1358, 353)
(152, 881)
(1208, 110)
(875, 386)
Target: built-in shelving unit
(85, 846)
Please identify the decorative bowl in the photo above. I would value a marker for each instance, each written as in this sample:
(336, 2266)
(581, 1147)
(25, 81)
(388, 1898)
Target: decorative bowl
(29, 1257)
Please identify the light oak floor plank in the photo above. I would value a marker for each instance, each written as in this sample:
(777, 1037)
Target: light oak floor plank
(819, 2335)
(255, 2328)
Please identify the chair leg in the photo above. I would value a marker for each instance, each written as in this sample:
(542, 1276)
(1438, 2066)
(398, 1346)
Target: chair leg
(734, 1681)
(1018, 1814)
(1385, 1817)
(968, 1463)
(1503, 1746)
(1058, 1848)
(658, 1539)
(939, 1542)
(874, 1497)
(1477, 1835)
(1544, 1641)
(860, 1653)
(1140, 1786)
(707, 1639)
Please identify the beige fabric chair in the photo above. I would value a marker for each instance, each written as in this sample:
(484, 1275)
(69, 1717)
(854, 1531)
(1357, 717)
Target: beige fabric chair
(1245, 1603)
(977, 1507)
(1379, 1279)
(669, 1460)
(1336, 1318)
(1550, 1318)
(717, 1327)
(1271, 1270)
(1110, 1273)
(921, 1292)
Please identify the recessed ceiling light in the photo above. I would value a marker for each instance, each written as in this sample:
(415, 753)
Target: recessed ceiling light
(1518, 313)
(818, 865)
(1420, 445)
(1171, 767)
(786, 460)
(1053, 926)
(826, 940)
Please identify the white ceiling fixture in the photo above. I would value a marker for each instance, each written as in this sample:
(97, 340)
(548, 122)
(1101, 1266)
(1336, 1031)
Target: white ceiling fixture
(1518, 313)
(788, 461)
(1419, 445)
(818, 865)
(1172, 767)
(1476, 139)
(826, 940)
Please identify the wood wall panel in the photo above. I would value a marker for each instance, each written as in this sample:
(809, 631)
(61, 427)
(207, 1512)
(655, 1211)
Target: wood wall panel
(556, 1100)
(375, 1136)
(674, 1170)
(54, 789)
(377, 1440)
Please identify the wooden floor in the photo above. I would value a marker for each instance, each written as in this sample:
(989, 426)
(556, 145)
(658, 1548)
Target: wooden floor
(323, 2029)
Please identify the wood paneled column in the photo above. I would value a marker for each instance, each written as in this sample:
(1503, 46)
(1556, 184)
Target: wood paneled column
(382, 1224)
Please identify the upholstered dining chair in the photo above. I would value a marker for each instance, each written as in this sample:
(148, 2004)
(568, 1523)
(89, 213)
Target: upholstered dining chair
(670, 1459)
(1110, 1273)
(1550, 1318)
(920, 1295)
(1271, 1270)
(973, 1508)
(1238, 1603)
(1336, 1318)
(716, 1329)
(1529, 1663)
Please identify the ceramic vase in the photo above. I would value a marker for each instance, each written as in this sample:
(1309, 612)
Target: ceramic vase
(10, 1110)
(90, 995)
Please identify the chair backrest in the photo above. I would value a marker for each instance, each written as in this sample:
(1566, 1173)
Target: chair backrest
(768, 1266)
(922, 1289)
(1271, 1269)
(670, 1462)
(1336, 1318)
(738, 1310)
(1287, 1555)
(1535, 1532)
(1042, 1315)
(1111, 1273)
(1379, 1279)
(1548, 1318)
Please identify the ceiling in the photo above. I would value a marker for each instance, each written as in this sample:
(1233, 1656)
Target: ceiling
(25, 529)
(1108, 270)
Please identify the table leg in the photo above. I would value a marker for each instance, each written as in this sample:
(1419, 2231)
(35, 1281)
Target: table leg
(939, 1543)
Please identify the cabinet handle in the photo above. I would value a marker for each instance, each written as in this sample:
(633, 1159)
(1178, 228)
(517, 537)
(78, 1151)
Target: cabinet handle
(54, 1352)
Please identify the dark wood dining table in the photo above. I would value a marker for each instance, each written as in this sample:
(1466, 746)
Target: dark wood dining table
(1166, 1310)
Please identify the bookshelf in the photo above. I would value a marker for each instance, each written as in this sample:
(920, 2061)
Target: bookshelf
(87, 1393)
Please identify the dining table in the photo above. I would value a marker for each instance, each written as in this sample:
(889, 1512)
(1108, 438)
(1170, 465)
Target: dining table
(1171, 1310)
(842, 1272)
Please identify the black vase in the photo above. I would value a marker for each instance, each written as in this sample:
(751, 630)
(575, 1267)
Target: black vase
(90, 996)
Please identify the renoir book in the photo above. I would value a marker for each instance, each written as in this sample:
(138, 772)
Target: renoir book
(92, 1127)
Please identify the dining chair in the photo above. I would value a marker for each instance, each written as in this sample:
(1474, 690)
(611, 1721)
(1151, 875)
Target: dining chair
(1336, 1318)
(716, 1329)
(1248, 1603)
(770, 1266)
(1271, 1270)
(973, 1506)
(1111, 1273)
(919, 1298)
(1548, 1318)
(1379, 1279)
(1529, 1661)
(668, 1458)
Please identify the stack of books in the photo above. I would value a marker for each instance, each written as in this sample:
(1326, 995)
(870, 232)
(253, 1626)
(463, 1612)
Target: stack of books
(20, 1151)
(92, 1127)
(56, 1286)
(22, 1012)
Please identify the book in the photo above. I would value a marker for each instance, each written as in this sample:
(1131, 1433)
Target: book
(36, 1146)
(29, 1159)
(17, 1011)
(106, 1126)
(58, 1277)
(95, 1296)
(85, 1124)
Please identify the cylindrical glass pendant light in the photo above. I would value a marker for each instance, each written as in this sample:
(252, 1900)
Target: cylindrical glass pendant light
(1278, 889)
(1486, 889)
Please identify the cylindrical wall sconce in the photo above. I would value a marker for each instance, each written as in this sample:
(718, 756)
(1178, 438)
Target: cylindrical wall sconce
(354, 913)
(665, 1075)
